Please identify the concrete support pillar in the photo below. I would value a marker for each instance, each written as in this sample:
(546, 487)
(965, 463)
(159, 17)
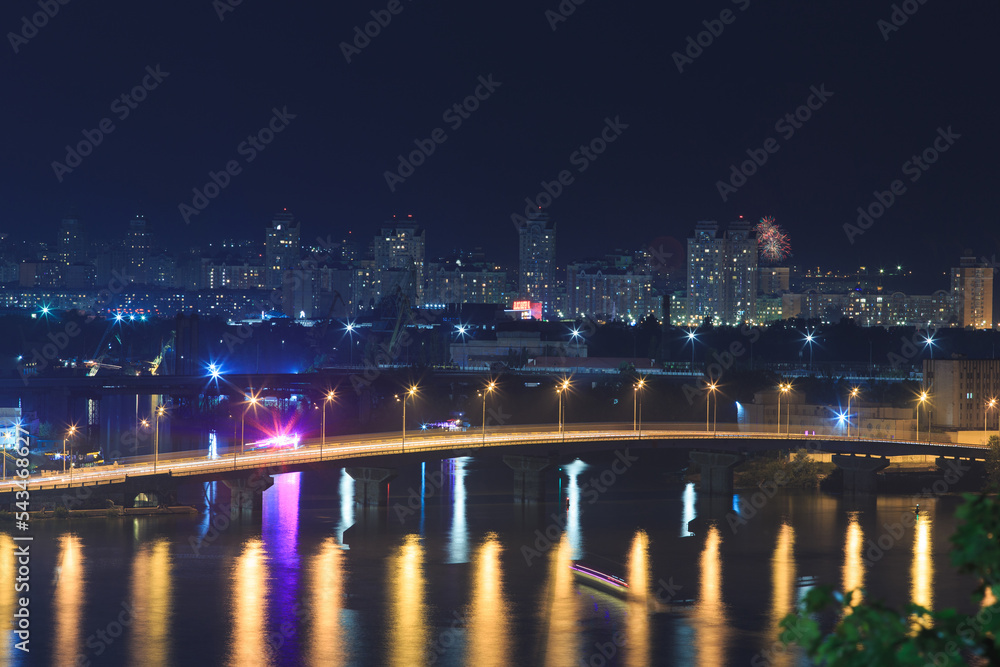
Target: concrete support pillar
(716, 471)
(247, 495)
(371, 486)
(859, 471)
(529, 485)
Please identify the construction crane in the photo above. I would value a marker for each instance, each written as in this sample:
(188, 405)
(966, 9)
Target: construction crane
(154, 365)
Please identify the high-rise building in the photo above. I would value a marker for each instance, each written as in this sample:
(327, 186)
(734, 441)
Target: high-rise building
(603, 292)
(283, 247)
(398, 253)
(453, 280)
(71, 244)
(537, 254)
(138, 250)
(722, 274)
(972, 291)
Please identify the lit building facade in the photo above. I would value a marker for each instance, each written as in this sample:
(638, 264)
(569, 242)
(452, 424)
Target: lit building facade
(537, 257)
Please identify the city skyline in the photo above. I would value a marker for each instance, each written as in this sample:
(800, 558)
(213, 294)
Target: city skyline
(643, 140)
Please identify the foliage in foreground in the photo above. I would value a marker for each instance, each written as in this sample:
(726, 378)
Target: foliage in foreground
(872, 633)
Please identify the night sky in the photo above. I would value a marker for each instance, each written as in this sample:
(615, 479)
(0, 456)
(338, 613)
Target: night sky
(556, 89)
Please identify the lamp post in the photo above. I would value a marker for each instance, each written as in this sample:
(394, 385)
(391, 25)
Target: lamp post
(489, 389)
(692, 336)
(781, 390)
(560, 389)
(853, 394)
(637, 403)
(412, 391)
(989, 404)
(330, 395)
(69, 433)
(252, 400)
(709, 390)
(712, 388)
(349, 328)
(921, 399)
(788, 408)
(156, 438)
(462, 329)
(810, 337)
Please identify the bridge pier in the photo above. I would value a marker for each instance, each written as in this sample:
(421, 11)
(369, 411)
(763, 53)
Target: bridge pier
(529, 485)
(716, 471)
(247, 495)
(859, 471)
(371, 486)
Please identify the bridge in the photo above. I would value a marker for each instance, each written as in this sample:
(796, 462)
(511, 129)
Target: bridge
(526, 449)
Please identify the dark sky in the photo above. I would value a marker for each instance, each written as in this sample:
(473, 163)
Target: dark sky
(607, 60)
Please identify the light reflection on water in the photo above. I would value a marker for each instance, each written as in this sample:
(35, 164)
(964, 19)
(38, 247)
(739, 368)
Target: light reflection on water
(489, 617)
(408, 634)
(69, 583)
(151, 605)
(284, 591)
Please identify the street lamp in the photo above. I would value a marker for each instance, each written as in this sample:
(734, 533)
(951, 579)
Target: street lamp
(349, 328)
(462, 330)
(692, 337)
(330, 395)
(412, 391)
(786, 387)
(923, 397)
(810, 336)
(489, 389)
(252, 401)
(637, 405)
(711, 387)
(853, 394)
(156, 437)
(69, 434)
(560, 388)
(929, 342)
(989, 404)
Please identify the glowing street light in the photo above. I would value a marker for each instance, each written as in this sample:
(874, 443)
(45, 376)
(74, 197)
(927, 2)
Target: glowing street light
(711, 389)
(853, 394)
(929, 343)
(785, 387)
(637, 405)
(920, 401)
(462, 331)
(252, 400)
(692, 337)
(489, 389)
(330, 395)
(560, 388)
(69, 434)
(810, 337)
(989, 404)
(156, 437)
(349, 328)
(412, 391)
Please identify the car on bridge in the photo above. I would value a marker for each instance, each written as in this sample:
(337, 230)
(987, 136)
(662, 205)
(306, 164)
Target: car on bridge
(277, 443)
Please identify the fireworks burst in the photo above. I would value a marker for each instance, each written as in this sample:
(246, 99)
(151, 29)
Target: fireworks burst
(772, 241)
